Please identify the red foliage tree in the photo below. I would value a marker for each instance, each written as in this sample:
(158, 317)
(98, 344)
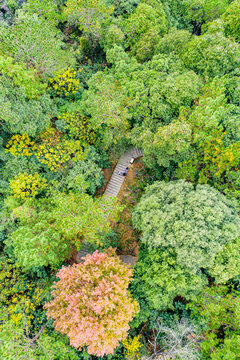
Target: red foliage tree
(92, 304)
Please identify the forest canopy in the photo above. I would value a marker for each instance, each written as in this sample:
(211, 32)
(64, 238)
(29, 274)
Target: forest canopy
(119, 179)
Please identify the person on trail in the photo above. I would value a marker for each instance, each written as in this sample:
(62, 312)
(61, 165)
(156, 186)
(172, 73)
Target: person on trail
(125, 171)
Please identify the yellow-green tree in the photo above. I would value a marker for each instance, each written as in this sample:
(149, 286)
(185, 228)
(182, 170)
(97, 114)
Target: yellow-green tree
(27, 185)
(89, 15)
(50, 229)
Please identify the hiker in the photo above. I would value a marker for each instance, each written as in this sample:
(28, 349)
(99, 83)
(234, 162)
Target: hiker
(125, 171)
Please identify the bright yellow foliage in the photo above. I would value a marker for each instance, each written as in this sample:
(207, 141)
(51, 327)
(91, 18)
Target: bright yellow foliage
(132, 348)
(27, 185)
(16, 293)
(79, 127)
(51, 150)
(218, 157)
(65, 82)
(55, 152)
(20, 145)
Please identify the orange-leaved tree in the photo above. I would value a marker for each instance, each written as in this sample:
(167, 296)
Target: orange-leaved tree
(91, 303)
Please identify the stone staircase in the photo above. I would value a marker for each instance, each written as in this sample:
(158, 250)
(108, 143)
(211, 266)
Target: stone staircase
(113, 188)
(117, 180)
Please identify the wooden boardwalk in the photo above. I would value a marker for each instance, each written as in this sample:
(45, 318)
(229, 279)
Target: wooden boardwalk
(114, 186)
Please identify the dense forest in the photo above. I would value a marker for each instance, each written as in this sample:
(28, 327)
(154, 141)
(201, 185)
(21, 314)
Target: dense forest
(81, 83)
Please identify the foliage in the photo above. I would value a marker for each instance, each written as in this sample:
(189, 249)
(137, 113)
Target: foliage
(27, 185)
(154, 91)
(199, 11)
(218, 308)
(65, 83)
(49, 230)
(226, 264)
(194, 223)
(180, 88)
(174, 41)
(144, 27)
(122, 7)
(208, 111)
(53, 150)
(83, 216)
(159, 279)
(89, 171)
(170, 143)
(20, 114)
(36, 243)
(231, 20)
(92, 304)
(175, 11)
(14, 166)
(113, 36)
(18, 342)
(79, 127)
(22, 77)
(37, 43)
(160, 100)
(19, 291)
(89, 15)
(211, 55)
(47, 9)
(214, 156)
(215, 164)
(82, 81)
(132, 348)
(108, 106)
(108, 240)
(20, 145)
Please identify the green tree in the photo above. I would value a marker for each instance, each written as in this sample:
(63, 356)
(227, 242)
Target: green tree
(107, 103)
(188, 235)
(50, 229)
(22, 77)
(199, 11)
(174, 41)
(226, 263)
(217, 309)
(144, 27)
(197, 224)
(90, 15)
(37, 43)
(214, 153)
(154, 90)
(175, 11)
(17, 341)
(211, 55)
(169, 144)
(122, 7)
(47, 9)
(24, 332)
(14, 165)
(20, 114)
(159, 279)
(87, 170)
(113, 36)
(36, 243)
(231, 20)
